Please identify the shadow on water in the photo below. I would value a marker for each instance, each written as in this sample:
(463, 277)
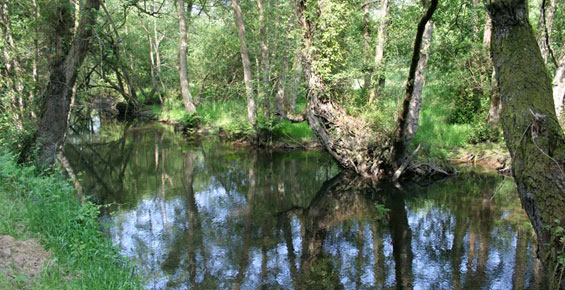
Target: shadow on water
(214, 216)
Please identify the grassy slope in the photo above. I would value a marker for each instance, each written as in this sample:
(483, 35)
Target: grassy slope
(44, 207)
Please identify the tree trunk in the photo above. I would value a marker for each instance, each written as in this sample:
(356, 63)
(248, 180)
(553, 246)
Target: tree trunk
(545, 28)
(416, 102)
(58, 95)
(495, 103)
(183, 66)
(294, 86)
(151, 59)
(122, 74)
(13, 68)
(379, 50)
(403, 135)
(157, 44)
(559, 86)
(531, 130)
(366, 41)
(347, 139)
(265, 65)
(247, 75)
(281, 88)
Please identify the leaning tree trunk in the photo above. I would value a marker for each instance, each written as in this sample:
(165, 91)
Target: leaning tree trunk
(183, 66)
(62, 77)
(347, 139)
(531, 130)
(405, 120)
(247, 75)
(353, 145)
(559, 85)
(416, 102)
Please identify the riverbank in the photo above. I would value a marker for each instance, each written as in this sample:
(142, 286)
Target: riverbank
(50, 240)
(443, 144)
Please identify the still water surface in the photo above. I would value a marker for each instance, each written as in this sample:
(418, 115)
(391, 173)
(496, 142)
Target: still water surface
(206, 215)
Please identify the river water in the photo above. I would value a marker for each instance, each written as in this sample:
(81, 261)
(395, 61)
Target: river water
(206, 215)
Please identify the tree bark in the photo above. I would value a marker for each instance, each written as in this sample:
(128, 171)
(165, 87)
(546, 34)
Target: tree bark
(379, 50)
(545, 28)
(531, 130)
(183, 66)
(495, 103)
(403, 136)
(559, 86)
(346, 138)
(416, 102)
(13, 69)
(294, 86)
(265, 64)
(151, 60)
(247, 75)
(366, 42)
(62, 77)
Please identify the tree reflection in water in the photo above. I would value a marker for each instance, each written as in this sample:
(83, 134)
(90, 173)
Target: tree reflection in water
(212, 216)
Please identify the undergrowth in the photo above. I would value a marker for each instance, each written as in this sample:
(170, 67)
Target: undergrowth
(44, 207)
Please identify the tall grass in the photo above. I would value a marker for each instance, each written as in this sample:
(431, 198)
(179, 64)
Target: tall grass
(434, 129)
(43, 207)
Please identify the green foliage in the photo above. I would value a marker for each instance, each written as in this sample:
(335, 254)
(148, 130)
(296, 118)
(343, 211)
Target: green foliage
(466, 105)
(44, 207)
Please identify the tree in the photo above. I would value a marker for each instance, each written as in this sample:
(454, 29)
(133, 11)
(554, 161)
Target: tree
(265, 54)
(407, 121)
(346, 138)
(247, 75)
(545, 28)
(559, 86)
(531, 130)
(183, 67)
(63, 73)
(380, 49)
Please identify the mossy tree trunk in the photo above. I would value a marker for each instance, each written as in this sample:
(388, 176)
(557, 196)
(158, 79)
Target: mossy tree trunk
(63, 73)
(531, 130)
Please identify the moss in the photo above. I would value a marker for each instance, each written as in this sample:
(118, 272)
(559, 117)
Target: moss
(532, 132)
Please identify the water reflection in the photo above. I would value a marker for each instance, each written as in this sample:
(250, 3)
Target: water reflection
(212, 216)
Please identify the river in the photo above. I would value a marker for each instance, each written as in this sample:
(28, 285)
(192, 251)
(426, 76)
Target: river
(203, 214)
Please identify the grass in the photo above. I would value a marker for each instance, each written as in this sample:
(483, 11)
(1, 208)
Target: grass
(440, 137)
(43, 207)
(231, 116)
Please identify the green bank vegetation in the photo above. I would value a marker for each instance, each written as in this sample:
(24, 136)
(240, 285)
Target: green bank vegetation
(44, 207)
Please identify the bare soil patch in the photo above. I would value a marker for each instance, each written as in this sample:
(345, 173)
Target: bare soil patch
(21, 257)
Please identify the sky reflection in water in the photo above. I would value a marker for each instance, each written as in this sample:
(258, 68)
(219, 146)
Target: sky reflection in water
(212, 216)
